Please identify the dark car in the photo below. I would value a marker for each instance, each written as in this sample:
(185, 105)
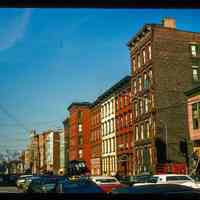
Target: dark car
(67, 186)
(36, 184)
(157, 189)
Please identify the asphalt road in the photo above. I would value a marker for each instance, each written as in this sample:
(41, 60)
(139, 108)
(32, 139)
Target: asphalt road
(8, 189)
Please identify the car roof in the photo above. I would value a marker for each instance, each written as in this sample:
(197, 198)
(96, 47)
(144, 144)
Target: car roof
(103, 177)
(151, 188)
(24, 176)
(163, 175)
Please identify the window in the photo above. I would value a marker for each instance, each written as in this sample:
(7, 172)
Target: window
(144, 56)
(108, 108)
(125, 100)
(152, 101)
(150, 77)
(138, 61)
(105, 107)
(142, 131)
(112, 145)
(80, 116)
(195, 73)
(140, 83)
(120, 101)
(80, 152)
(126, 120)
(116, 104)
(149, 52)
(150, 155)
(79, 127)
(146, 104)
(141, 106)
(111, 125)
(112, 106)
(136, 133)
(146, 82)
(134, 65)
(134, 87)
(131, 117)
(136, 109)
(147, 130)
(121, 122)
(196, 115)
(193, 50)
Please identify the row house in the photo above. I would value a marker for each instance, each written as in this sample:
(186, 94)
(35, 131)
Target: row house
(95, 138)
(124, 127)
(164, 64)
(79, 139)
(108, 134)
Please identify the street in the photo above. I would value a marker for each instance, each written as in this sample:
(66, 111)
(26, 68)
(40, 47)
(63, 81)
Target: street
(8, 189)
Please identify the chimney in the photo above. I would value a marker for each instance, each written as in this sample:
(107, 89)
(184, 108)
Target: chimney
(169, 22)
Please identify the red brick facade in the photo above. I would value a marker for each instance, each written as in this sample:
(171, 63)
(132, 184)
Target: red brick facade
(95, 139)
(124, 130)
(79, 140)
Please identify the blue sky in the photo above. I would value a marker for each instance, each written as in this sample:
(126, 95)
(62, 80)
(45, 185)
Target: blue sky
(52, 57)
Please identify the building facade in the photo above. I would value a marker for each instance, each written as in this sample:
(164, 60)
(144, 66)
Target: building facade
(66, 125)
(193, 111)
(124, 128)
(95, 138)
(164, 64)
(53, 152)
(79, 140)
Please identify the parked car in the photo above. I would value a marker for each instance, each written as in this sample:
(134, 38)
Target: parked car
(21, 181)
(77, 187)
(160, 189)
(107, 183)
(176, 179)
(36, 184)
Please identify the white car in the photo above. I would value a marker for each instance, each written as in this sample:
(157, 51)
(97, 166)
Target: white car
(21, 180)
(176, 179)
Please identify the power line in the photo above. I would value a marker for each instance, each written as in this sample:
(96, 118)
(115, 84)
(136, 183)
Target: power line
(12, 117)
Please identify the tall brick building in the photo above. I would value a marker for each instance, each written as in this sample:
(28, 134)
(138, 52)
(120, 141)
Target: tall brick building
(164, 64)
(95, 138)
(66, 140)
(79, 139)
(124, 128)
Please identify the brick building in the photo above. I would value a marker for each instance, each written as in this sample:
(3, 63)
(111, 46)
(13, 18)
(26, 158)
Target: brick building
(52, 151)
(95, 138)
(193, 111)
(124, 128)
(79, 140)
(164, 64)
(66, 125)
(109, 103)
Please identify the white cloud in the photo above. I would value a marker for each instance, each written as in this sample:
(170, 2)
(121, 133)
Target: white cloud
(16, 32)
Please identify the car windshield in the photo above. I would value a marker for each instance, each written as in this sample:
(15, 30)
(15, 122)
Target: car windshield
(178, 178)
(106, 180)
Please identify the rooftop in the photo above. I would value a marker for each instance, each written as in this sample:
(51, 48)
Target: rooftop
(87, 104)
